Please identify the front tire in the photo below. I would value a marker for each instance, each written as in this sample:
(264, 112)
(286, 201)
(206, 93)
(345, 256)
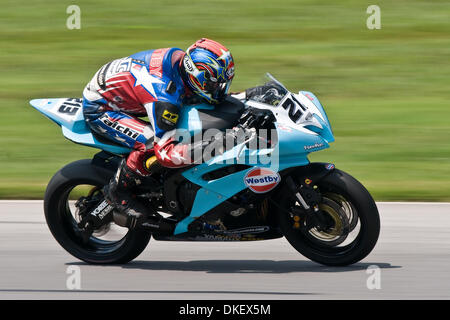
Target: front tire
(63, 226)
(343, 196)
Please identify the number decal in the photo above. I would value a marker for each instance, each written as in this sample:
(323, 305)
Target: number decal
(118, 66)
(123, 66)
(294, 107)
(294, 113)
(70, 106)
(111, 69)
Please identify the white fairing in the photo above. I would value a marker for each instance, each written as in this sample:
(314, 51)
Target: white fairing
(282, 115)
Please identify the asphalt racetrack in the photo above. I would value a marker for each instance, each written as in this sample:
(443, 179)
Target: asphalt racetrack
(410, 261)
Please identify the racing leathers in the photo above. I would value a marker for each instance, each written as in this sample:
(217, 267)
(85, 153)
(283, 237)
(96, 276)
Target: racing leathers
(149, 84)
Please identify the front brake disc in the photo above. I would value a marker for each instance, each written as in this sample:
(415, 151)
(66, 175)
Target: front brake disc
(337, 232)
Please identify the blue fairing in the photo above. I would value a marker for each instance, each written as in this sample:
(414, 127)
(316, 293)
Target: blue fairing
(291, 151)
(317, 103)
(68, 114)
(294, 145)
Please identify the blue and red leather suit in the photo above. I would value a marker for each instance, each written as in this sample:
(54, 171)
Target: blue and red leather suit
(147, 83)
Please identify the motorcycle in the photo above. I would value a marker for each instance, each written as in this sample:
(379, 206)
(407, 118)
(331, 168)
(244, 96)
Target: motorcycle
(324, 213)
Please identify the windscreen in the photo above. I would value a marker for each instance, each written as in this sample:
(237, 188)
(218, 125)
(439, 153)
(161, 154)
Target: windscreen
(274, 92)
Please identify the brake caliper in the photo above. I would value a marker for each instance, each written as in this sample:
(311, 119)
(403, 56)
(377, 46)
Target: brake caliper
(309, 200)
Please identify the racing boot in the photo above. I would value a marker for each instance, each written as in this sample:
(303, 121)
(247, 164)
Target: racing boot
(129, 211)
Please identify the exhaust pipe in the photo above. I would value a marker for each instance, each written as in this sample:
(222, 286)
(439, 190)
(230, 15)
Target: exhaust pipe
(158, 225)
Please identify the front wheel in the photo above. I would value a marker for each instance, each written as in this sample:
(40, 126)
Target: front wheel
(349, 221)
(110, 244)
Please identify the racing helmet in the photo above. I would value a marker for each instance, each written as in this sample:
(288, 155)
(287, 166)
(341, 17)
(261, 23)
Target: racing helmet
(208, 69)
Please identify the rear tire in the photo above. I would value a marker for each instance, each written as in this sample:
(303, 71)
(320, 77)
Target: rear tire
(63, 227)
(344, 185)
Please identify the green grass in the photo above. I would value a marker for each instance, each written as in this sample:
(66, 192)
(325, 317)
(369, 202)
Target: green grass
(386, 91)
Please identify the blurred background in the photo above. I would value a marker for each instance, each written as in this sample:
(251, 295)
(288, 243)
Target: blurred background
(386, 91)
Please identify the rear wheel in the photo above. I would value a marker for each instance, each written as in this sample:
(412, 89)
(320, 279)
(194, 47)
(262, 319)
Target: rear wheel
(349, 222)
(107, 245)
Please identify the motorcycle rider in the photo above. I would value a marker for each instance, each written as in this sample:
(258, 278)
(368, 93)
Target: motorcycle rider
(153, 83)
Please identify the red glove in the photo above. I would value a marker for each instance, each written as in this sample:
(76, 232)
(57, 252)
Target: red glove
(172, 154)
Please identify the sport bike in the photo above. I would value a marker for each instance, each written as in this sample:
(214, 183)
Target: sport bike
(243, 193)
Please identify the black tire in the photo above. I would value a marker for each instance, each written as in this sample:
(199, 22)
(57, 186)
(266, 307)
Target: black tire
(58, 217)
(354, 192)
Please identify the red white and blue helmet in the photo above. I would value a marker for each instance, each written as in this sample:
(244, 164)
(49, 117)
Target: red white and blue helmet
(208, 69)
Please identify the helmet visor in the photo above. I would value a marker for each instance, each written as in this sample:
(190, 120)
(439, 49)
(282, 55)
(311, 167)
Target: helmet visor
(217, 90)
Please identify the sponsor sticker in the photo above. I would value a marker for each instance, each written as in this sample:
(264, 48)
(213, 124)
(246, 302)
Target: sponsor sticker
(284, 128)
(169, 116)
(309, 97)
(188, 64)
(314, 146)
(102, 210)
(329, 166)
(156, 62)
(133, 134)
(257, 229)
(261, 180)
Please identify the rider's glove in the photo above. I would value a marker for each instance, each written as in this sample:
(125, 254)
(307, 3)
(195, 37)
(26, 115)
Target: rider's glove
(256, 118)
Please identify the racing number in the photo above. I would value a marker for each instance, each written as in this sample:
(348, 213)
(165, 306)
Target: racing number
(70, 106)
(294, 112)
